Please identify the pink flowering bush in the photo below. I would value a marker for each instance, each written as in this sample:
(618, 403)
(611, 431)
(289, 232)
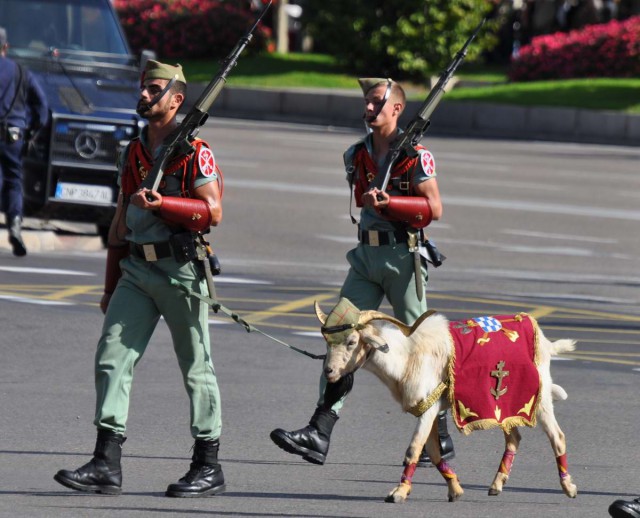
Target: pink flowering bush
(606, 50)
(188, 28)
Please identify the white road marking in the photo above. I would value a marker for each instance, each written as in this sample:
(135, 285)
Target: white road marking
(288, 187)
(548, 250)
(44, 271)
(545, 208)
(504, 247)
(222, 279)
(544, 276)
(474, 166)
(37, 302)
(461, 201)
(310, 334)
(498, 183)
(563, 237)
(339, 239)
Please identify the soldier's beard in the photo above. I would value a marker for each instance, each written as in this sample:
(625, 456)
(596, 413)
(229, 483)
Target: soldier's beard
(143, 109)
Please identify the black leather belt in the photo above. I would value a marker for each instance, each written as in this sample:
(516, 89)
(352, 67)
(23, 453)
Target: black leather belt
(377, 238)
(151, 251)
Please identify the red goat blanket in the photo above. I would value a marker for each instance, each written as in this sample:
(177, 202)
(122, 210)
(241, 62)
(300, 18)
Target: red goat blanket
(493, 375)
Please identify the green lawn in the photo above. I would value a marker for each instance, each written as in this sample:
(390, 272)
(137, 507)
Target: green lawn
(490, 84)
(277, 71)
(595, 94)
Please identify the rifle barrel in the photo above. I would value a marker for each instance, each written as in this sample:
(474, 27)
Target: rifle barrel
(419, 124)
(197, 115)
(214, 88)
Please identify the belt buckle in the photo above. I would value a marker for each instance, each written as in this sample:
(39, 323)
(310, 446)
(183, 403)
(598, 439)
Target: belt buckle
(403, 186)
(374, 238)
(149, 251)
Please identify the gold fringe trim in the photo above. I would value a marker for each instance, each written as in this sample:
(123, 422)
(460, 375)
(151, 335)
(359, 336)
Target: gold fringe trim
(424, 405)
(506, 425)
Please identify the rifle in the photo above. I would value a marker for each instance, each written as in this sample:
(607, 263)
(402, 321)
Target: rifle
(420, 123)
(178, 142)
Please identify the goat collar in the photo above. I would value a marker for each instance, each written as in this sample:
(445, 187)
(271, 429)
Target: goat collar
(421, 407)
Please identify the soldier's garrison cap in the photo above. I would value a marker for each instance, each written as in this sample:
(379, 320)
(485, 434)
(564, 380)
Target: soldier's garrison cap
(3, 37)
(156, 70)
(343, 315)
(367, 83)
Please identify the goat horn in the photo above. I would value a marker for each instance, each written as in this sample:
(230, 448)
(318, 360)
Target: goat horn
(367, 316)
(320, 314)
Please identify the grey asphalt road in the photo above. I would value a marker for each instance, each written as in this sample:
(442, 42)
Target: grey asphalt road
(546, 228)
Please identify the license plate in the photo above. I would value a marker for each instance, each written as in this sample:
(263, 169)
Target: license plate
(83, 192)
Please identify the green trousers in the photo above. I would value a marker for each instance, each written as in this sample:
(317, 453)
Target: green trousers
(143, 295)
(376, 272)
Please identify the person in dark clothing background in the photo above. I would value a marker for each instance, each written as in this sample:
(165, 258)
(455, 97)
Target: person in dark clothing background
(23, 110)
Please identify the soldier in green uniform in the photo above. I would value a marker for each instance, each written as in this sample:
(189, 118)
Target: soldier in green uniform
(384, 262)
(154, 237)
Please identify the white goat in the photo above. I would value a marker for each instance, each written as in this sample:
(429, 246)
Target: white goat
(414, 363)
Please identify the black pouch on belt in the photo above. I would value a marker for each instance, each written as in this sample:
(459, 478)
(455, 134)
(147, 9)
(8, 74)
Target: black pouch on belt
(183, 247)
(433, 254)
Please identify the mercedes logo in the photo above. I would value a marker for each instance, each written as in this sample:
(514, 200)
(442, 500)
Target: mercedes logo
(86, 145)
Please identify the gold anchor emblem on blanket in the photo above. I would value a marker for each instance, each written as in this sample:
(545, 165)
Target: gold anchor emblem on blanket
(499, 374)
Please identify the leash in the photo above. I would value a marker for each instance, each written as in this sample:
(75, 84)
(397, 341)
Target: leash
(216, 306)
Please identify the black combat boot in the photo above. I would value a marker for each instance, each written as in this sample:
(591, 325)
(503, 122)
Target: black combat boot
(205, 475)
(446, 443)
(312, 441)
(15, 236)
(103, 473)
(625, 508)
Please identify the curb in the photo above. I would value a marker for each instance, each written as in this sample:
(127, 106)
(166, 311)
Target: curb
(53, 236)
(454, 118)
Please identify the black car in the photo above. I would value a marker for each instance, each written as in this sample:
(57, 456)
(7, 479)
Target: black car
(78, 52)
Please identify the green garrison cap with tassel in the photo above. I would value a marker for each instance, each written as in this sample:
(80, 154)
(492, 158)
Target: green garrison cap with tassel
(156, 70)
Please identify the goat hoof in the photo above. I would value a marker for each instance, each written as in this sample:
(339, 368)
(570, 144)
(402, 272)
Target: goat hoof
(395, 498)
(454, 497)
(494, 492)
(398, 495)
(569, 488)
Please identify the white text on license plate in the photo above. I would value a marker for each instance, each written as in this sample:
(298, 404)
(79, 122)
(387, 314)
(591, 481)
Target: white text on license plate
(83, 192)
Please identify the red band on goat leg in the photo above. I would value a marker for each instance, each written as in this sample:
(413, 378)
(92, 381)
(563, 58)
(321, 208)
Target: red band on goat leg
(112, 272)
(191, 213)
(407, 474)
(507, 462)
(561, 461)
(445, 470)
